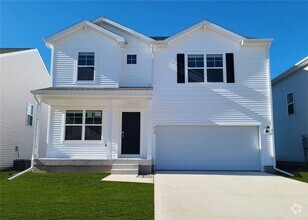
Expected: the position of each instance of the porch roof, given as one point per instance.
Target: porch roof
(53, 95)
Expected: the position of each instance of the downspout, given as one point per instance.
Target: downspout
(282, 171)
(35, 140)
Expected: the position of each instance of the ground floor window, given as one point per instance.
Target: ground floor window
(83, 125)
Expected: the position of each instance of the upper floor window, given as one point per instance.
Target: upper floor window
(30, 114)
(195, 68)
(131, 59)
(201, 68)
(86, 66)
(214, 64)
(290, 103)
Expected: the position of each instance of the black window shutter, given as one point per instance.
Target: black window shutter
(230, 67)
(180, 68)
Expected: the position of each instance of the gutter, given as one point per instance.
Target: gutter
(35, 140)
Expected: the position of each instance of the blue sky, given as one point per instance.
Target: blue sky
(26, 23)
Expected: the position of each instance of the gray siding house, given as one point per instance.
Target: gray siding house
(290, 105)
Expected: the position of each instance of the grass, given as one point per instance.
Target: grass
(300, 172)
(301, 176)
(73, 196)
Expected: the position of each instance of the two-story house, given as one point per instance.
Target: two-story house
(197, 100)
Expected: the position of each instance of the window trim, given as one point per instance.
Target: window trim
(83, 126)
(187, 68)
(95, 68)
(27, 108)
(205, 67)
(292, 92)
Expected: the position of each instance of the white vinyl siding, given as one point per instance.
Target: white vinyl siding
(58, 147)
(107, 56)
(111, 69)
(246, 102)
(20, 73)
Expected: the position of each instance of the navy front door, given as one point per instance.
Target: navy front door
(130, 133)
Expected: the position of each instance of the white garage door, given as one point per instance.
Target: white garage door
(207, 148)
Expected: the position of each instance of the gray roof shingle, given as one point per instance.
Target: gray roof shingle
(11, 50)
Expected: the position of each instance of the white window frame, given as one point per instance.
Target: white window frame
(29, 112)
(94, 73)
(223, 66)
(205, 67)
(194, 68)
(83, 126)
(290, 103)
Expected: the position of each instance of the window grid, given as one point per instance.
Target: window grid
(73, 119)
(214, 66)
(131, 59)
(195, 68)
(86, 66)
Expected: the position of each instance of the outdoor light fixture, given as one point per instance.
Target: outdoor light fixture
(267, 129)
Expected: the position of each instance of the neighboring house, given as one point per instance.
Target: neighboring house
(290, 103)
(21, 70)
(198, 100)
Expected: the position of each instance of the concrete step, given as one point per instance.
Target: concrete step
(126, 161)
(124, 171)
(124, 166)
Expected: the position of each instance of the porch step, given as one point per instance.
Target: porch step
(124, 171)
(124, 168)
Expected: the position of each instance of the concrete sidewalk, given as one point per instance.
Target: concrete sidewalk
(229, 195)
(128, 178)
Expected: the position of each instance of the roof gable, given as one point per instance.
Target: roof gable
(124, 28)
(84, 25)
(207, 25)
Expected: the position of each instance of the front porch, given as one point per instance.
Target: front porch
(144, 166)
(91, 129)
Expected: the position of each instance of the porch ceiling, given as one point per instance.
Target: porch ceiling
(90, 96)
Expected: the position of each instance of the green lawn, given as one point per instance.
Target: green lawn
(301, 176)
(73, 196)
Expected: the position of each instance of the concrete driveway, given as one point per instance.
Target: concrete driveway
(228, 195)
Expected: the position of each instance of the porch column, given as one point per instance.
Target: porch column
(36, 133)
(109, 139)
(150, 131)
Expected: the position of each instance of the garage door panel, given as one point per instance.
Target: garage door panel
(207, 148)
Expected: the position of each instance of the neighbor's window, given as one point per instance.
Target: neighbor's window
(195, 67)
(85, 66)
(83, 125)
(30, 114)
(290, 103)
(214, 64)
(131, 59)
